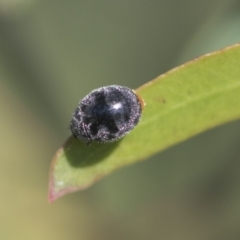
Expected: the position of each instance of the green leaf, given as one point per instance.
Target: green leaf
(185, 101)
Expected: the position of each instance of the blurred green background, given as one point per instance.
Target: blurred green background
(52, 53)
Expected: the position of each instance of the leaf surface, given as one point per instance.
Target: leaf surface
(185, 101)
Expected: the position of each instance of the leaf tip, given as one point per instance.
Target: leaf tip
(52, 194)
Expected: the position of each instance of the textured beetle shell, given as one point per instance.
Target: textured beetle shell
(106, 114)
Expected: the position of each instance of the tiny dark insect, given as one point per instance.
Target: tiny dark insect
(106, 114)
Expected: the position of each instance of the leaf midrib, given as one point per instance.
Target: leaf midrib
(192, 100)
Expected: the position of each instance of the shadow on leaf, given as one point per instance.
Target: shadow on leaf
(80, 155)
